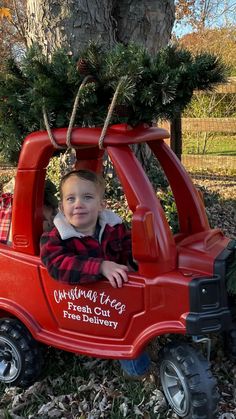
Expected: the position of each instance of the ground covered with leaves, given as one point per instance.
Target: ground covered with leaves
(78, 387)
(219, 195)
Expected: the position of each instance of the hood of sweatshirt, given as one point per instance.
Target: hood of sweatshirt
(67, 231)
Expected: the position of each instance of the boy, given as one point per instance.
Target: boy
(89, 243)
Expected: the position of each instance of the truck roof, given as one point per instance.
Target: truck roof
(117, 135)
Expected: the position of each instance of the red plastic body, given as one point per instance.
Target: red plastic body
(96, 319)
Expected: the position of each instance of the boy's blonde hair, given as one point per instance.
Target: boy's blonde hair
(98, 180)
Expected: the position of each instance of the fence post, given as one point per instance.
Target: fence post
(176, 135)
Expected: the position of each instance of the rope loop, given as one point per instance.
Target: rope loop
(109, 114)
(71, 122)
(69, 156)
(73, 114)
(49, 131)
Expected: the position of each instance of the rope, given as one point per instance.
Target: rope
(68, 159)
(109, 114)
(71, 122)
(73, 114)
(49, 131)
(72, 118)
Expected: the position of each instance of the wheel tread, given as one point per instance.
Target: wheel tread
(201, 383)
(28, 349)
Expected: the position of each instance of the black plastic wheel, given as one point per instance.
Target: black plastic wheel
(187, 382)
(20, 355)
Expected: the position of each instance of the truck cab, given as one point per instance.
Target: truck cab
(179, 287)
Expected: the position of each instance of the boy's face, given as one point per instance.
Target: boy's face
(81, 203)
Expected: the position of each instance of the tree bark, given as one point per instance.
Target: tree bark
(145, 22)
(70, 24)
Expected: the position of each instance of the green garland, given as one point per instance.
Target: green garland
(153, 87)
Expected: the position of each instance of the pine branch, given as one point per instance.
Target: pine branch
(151, 87)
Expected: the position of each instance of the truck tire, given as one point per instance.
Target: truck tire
(20, 355)
(188, 383)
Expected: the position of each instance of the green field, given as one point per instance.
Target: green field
(212, 144)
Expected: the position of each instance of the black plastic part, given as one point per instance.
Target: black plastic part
(209, 310)
(224, 263)
(224, 259)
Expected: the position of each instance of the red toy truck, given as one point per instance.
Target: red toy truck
(179, 288)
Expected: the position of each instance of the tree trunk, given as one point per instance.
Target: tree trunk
(145, 22)
(70, 24)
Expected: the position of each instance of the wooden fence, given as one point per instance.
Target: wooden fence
(209, 125)
(204, 125)
(180, 126)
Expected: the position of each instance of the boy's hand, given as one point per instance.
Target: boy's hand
(115, 273)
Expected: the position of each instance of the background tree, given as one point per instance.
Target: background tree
(198, 15)
(72, 24)
(12, 29)
(156, 82)
(219, 41)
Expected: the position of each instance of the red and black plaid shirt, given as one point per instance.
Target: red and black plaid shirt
(78, 260)
(6, 200)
